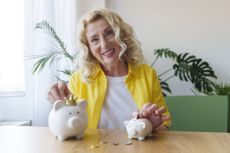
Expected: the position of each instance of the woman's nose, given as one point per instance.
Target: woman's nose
(104, 43)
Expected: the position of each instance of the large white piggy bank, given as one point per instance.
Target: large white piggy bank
(138, 128)
(68, 121)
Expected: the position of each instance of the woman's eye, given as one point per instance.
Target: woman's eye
(94, 40)
(109, 34)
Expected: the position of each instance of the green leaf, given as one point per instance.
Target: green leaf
(53, 51)
(165, 87)
(40, 64)
(190, 68)
(201, 73)
(44, 25)
(66, 72)
(183, 66)
(221, 89)
(165, 52)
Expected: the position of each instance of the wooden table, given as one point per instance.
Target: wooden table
(15, 139)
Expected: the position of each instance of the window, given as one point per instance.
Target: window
(12, 47)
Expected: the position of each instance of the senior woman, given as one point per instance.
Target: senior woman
(112, 76)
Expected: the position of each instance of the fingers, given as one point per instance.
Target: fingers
(58, 91)
(165, 118)
(50, 97)
(150, 110)
(160, 111)
(62, 89)
(144, 108)
(154, 113)
(67, 92)
(54, 93)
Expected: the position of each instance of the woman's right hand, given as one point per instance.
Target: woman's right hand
(58, 91)
(155, 115)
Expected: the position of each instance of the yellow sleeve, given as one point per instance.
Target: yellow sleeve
(158, 97)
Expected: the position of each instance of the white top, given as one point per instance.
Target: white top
(118, 105)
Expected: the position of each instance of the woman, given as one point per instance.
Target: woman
(112, 76)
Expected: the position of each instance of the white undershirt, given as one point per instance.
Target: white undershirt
(118, 105)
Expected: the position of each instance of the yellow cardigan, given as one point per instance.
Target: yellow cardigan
(142, 83)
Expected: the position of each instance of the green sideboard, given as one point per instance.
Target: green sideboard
(199, 113)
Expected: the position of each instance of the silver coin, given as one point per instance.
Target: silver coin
(127, 143)
(115, 143)
(103, 142)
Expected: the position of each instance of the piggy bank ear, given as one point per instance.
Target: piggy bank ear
(58, 104)
(82, 104)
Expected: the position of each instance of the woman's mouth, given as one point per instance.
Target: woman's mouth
(108, 52)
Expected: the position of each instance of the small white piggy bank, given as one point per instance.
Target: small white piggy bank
(68, 121)
(138, 128)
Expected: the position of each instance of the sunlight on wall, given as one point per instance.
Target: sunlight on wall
(11, 52)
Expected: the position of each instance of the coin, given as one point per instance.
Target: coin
(103, 142)
(115, 143)
(127, 143)
(94, 146)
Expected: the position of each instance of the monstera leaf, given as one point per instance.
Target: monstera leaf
(190, 68)
(183, 66)
(200, 74)
(187, 68)
(165, 87)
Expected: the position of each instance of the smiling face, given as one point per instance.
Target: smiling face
(102, 44)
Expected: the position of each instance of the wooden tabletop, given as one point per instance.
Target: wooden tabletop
(18, 139)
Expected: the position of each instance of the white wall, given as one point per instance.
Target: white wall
(200, 27)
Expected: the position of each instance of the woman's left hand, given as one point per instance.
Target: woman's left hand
(154, 114)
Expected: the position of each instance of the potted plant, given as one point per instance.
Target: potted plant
(51, 54)
(187, 68)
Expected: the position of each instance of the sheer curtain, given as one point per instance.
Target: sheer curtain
(63, 16)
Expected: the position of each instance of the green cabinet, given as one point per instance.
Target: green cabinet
(199, 113)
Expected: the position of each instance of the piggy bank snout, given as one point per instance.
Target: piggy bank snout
(73, 121)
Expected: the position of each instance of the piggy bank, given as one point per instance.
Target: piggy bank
(68, 121)
(138, 128)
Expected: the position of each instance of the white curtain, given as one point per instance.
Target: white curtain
(63, 16)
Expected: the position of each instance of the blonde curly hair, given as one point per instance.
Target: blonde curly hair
(124, 35)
